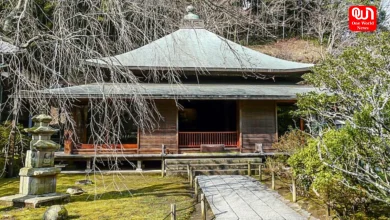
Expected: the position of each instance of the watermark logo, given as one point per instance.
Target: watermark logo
(362, 18)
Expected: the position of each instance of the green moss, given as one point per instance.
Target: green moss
(113, 196)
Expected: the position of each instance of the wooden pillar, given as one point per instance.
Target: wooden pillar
(84, 122)
(177, 130)
(260, 174)
(69, 134)
(89, 164)
(301, 124)
(239, 125)
(273, 179)
(196, 189)
(276, 122)
(68, 142)
(139, 165)
(191, 178)
(203, 206)
(138, 140)
(173, 211)
(162, 167)
(294, 189)
(249, 168)
(188, 173)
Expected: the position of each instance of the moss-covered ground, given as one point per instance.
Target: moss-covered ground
(112, 196)
(310, 204)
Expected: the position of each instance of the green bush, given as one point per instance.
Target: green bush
(21, 145)
(331, 185)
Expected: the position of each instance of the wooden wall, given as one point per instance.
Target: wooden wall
(258, 123)
(166, 132)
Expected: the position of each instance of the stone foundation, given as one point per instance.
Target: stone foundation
(30, 201)
(38, 178)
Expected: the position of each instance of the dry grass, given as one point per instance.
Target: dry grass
(113, 197)
(292, 49)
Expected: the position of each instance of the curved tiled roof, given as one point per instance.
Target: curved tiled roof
(196, 49)
(179, 91)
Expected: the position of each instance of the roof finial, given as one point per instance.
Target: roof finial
(191, 15)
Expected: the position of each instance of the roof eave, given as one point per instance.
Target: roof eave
(27, 95)
(205, 69)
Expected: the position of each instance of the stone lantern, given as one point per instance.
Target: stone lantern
(38, 177)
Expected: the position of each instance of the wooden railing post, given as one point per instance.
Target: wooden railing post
(260, 174)
(249, 168)
(162, 149)
(273, 179)
(203, 206)
(173, 211)
(191, 179)
(162, 167)
(196, 189)
(294, 189)
(188, 173)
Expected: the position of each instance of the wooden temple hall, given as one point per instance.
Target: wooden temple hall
(224, 108)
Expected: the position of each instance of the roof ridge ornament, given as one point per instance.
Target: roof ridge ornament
(191, 20)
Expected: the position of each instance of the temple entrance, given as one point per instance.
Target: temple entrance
(208, 122)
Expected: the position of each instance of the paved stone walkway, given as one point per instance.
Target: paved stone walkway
(242, 197)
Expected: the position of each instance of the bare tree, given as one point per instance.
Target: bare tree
(57, 36)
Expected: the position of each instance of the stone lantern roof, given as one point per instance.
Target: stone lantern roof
(41, 133)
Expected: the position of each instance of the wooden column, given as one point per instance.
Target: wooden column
(203, 206)
(273, 179)
(294, 189)
(173, 211)
(177, 130)
(69, 134)
(260, 174)
(138, 139)
(239, 124)
(276, 122)
(68, 143)
(249, 168)
(196, 189)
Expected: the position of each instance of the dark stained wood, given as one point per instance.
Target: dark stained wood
(258, 123)
(68, 143)
(239, 129)
(166, 132)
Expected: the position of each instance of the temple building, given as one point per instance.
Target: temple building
(230, 95)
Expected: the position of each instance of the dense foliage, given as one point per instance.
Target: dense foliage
(346, 166)
(21, 141)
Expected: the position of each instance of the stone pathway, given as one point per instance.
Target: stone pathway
(242, 197)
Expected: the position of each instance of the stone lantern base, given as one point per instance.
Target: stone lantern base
(33, 201)
(38, 177)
